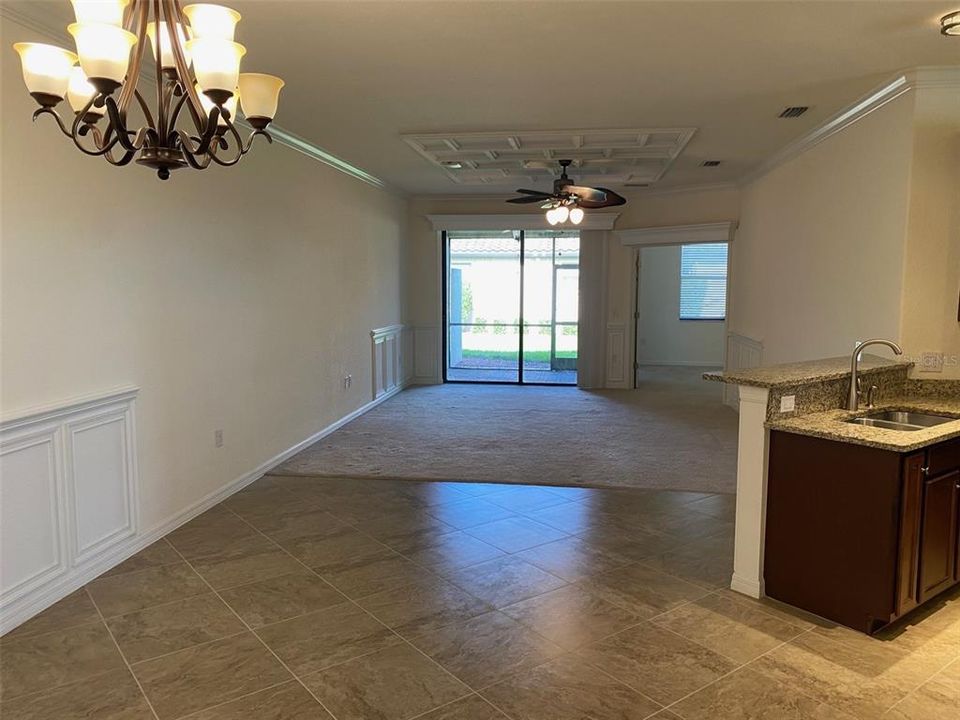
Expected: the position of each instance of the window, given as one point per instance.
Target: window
(703, 281)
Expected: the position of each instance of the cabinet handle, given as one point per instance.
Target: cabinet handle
(925, 470)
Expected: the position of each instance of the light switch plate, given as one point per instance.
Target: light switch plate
(788, 403)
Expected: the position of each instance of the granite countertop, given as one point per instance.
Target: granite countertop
(830, 424)
(776, 376)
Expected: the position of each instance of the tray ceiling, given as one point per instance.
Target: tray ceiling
(626, 156)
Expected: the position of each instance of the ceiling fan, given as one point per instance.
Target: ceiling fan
(568, 201)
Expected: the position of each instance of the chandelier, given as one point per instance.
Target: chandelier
(198, 84)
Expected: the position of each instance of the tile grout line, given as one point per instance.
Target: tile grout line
(120, 652)
(239, 697)
(251, 631)
(914, 690)
(363, 610)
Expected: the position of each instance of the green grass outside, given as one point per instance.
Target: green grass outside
(528, 355)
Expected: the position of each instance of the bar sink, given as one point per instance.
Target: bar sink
(900, 420)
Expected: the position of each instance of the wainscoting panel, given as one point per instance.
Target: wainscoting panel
(616, 355)
(742, 353)
(32, 541)
(68, 485)
(426, 352)
(387, 348)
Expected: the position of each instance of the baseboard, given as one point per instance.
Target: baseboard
(746, 587)
(44, 597)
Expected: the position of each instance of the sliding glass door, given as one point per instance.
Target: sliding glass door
(511, 295)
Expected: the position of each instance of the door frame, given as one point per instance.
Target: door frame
(445, 329)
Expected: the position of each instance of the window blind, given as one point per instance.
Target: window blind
(703, 281)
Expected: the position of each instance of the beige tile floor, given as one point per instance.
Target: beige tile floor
(317, 598)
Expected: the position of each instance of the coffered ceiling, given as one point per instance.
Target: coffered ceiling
(368, 80)
(637, 156)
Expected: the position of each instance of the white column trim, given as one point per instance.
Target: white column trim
(751, 492)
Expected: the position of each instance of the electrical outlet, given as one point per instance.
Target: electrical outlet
(788, 403)
(931, 362)
(218, 438)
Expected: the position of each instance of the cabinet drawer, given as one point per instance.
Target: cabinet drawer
(943, 458)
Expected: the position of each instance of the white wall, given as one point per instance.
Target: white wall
(234, 298)
(931, 273)
(665, 339)
(818, 258)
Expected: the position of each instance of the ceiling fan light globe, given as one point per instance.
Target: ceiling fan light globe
(562, 213)
(576, 215)
(46, 68)
(552, 216)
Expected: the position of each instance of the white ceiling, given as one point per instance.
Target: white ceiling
(360, 75)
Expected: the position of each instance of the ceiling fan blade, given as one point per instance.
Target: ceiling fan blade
(586, 193)
(529, 199)
(612, 200)
(523, 191)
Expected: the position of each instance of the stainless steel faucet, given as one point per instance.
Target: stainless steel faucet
(853, 400)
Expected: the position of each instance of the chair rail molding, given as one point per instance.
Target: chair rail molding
(526, 221)
(69, 491)
(719, 232)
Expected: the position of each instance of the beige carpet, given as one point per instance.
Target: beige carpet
(673, 432)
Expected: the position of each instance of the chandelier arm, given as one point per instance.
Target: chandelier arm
(80, 129)
(203, 146)
(175, 16)
(56, 116)
(138, 15)
(120, 128)
(191, 157)
(145, 108)
(254, 134)
(176, 113)
(108, 156)
(239, 140)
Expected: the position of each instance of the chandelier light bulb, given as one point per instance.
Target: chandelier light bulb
(46, 70)
(576, 215)
(213, 22)
(167, 59)
(107, 12)
(104, 52)
(552, 216)
(563, 212)
(80, 92)
(217, 65)
(259, 96)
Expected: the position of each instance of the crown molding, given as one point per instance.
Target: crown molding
(38, 23)
(935, 77)
(683, 189)
(527, 221)
(678, 234)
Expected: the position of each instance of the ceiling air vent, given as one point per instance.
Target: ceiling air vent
(710, 163)
(794, 111)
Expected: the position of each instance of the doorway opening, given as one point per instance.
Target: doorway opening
(511, 306)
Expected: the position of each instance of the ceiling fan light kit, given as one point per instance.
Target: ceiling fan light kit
(197, 75)
(950, 24)
(567, 201)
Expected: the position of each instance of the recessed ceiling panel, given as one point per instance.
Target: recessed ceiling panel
(619, 156)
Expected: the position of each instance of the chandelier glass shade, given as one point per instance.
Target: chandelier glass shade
(196, 72)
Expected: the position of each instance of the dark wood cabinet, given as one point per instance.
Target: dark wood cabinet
(860, 535)
(938, 535)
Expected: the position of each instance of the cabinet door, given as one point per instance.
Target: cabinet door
(938, 534)
(908, 583)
